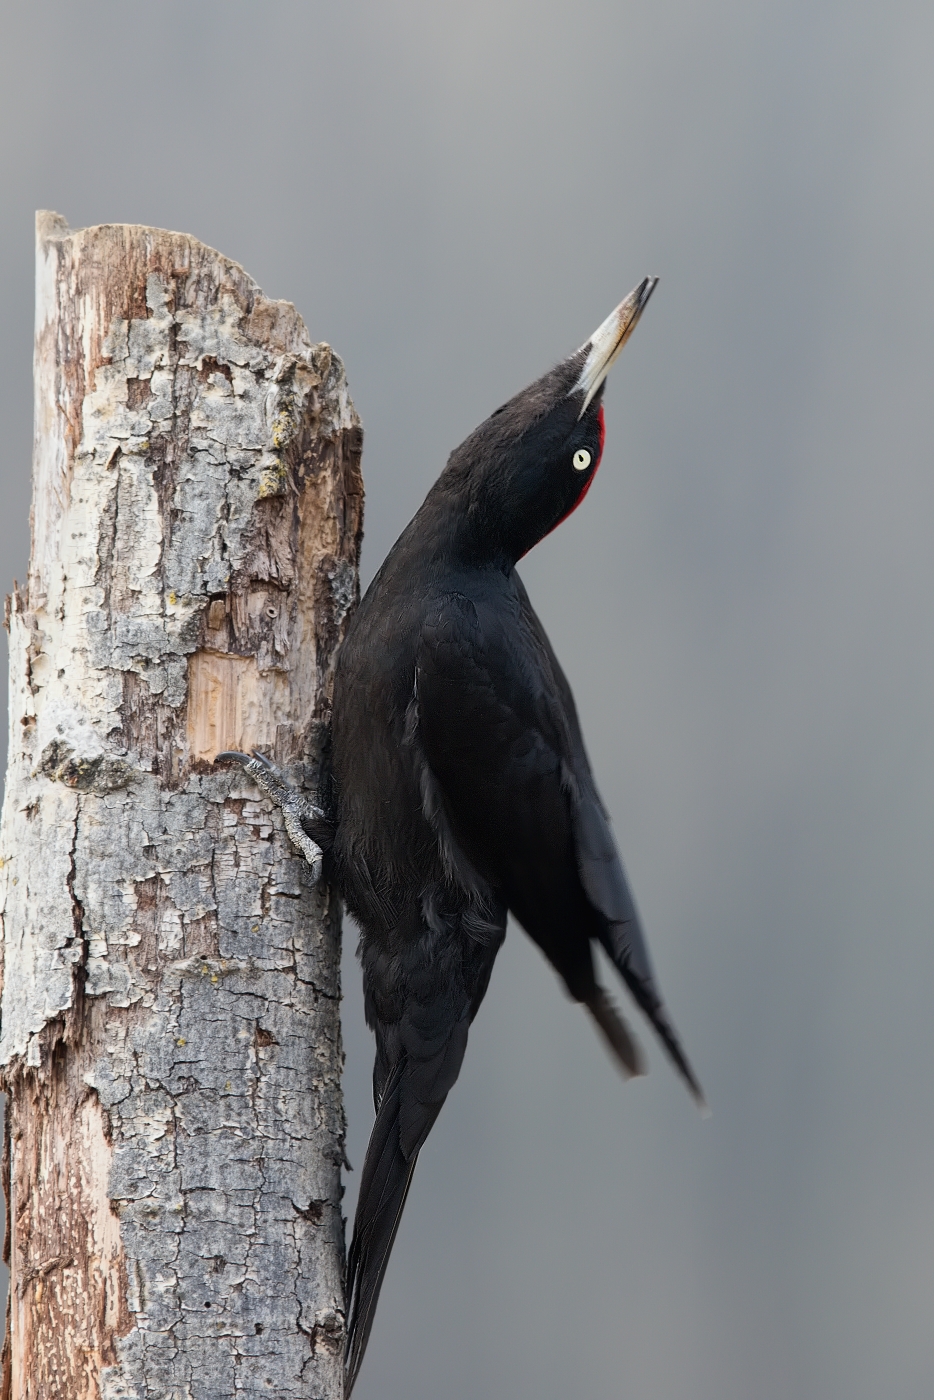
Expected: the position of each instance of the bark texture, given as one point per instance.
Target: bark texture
(170, 1006)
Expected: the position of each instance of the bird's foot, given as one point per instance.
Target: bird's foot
(293, 805)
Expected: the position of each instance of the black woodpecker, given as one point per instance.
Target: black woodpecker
(461, 787)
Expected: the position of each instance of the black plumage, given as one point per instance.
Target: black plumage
(461, 786)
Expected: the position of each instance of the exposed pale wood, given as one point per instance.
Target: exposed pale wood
(170, 1006)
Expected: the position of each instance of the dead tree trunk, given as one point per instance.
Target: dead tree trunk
(170, 1008)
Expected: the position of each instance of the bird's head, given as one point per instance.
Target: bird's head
(525, 469)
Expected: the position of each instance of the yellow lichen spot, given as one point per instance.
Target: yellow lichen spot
(205, 970)
(172, 599)
(227, 1086)
(215, 979)
(181, 1040)
(282, 431)
(16, 879)
(273, 481)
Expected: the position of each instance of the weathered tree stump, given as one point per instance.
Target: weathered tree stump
(170, 1009)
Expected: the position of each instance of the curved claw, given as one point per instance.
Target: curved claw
(267, 763)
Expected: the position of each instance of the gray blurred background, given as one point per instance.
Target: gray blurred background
(454, 195)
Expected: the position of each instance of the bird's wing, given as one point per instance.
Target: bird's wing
(603, 878)
(602, 873)
(499, 730)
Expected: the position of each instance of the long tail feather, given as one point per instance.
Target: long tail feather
(384, 1185)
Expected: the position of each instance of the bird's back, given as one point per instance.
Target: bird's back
(384, 847)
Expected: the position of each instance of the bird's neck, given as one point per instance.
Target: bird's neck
(453, 531)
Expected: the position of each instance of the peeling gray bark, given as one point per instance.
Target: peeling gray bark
(170, 1005)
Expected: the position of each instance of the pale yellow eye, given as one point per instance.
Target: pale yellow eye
(582, 459)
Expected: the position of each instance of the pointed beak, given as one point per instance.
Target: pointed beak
(608, 340)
